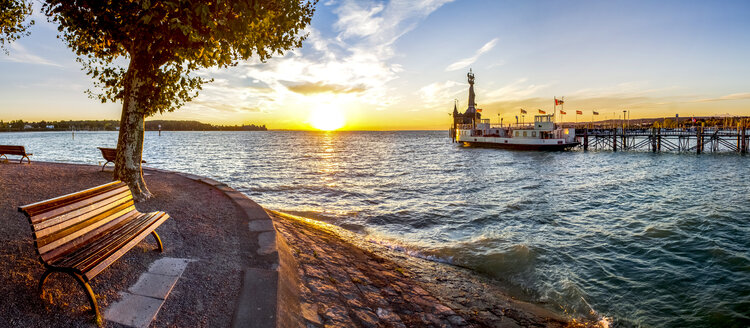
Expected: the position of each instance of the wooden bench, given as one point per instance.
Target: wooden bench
(109, 155)
(14, 150)
(82, 233)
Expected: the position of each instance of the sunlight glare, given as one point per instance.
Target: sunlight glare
(327, 118)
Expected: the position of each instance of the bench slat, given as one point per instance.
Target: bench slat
(97, 248)
(57, 240)
(92, 272)
(61, 213)
(89, 240)
(50, 204)
(81, 214)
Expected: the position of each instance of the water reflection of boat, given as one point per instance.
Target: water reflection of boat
(470, 129)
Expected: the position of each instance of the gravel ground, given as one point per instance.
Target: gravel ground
(205, 225)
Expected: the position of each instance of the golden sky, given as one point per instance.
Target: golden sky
(399, 65)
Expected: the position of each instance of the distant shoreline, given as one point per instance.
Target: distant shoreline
(114, 125)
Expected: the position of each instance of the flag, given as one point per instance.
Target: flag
(542, 112)
(596, 113)
(479, 110)
(561, 112)
(523, 111)
(558, 102)
(578, 112)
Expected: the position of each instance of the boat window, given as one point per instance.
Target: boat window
(533, 133)
(516, 133)
(524, 133)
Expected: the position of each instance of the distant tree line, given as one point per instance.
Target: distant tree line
(198, 126)
(112, 125)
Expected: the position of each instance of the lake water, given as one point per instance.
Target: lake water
(644, 239)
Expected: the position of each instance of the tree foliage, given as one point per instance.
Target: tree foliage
(170, 40)
(13, 14)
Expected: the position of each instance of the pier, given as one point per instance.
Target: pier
(696, 139)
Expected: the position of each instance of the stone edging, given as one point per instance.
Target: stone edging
(257, 303)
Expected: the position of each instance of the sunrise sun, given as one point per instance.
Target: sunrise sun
(327, 118)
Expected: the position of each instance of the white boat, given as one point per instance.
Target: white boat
(470, 129)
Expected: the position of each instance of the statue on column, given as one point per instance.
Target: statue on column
(472, 105)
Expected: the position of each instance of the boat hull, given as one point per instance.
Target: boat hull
(518, 146)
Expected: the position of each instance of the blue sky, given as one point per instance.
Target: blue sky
(400, 65)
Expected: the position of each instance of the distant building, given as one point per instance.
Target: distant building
(50, 127)
(27, 126)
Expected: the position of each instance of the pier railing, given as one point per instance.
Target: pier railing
(689, 139)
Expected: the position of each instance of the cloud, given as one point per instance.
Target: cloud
(518, 89)
(734, 96)
(352, 65)
(307, 88)
(438, 93)
(20, 54)
(468, 61)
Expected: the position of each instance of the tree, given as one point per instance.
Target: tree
(13, 14)
(164, 42)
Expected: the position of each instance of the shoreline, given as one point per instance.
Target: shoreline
(471, 296)
(427, 292)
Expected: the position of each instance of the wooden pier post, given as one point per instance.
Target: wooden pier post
(586, 139)
(698, 140)
(614, 139)
(658, 140)
(653, 140)
(744, 138)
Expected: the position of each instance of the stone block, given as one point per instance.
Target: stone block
(133, 310)
(256, 306)
(169, 266)
(154, 285)
(261, 225)
(267, 242)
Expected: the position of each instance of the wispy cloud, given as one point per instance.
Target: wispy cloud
(516, 90)
(308, 88)
(734, 96)
(20, 54)
(468, 61)
(437, 93)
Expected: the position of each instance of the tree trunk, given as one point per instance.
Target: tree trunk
(130, 140)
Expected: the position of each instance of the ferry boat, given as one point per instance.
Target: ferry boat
(543, 134)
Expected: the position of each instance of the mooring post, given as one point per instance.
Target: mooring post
(614, 139)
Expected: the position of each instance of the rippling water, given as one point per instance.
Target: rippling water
(645, 239)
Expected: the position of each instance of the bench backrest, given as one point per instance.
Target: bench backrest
(12, 150)
(109, 153)
(61, 224)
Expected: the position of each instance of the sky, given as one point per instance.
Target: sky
(401, 64)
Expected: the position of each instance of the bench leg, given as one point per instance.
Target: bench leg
(158, 241)
(81, 282)
(105, 164)
(27, 159)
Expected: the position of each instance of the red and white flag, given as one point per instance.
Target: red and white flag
(578, 112)
(542, 112)
(558, 102)
(561, 112)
